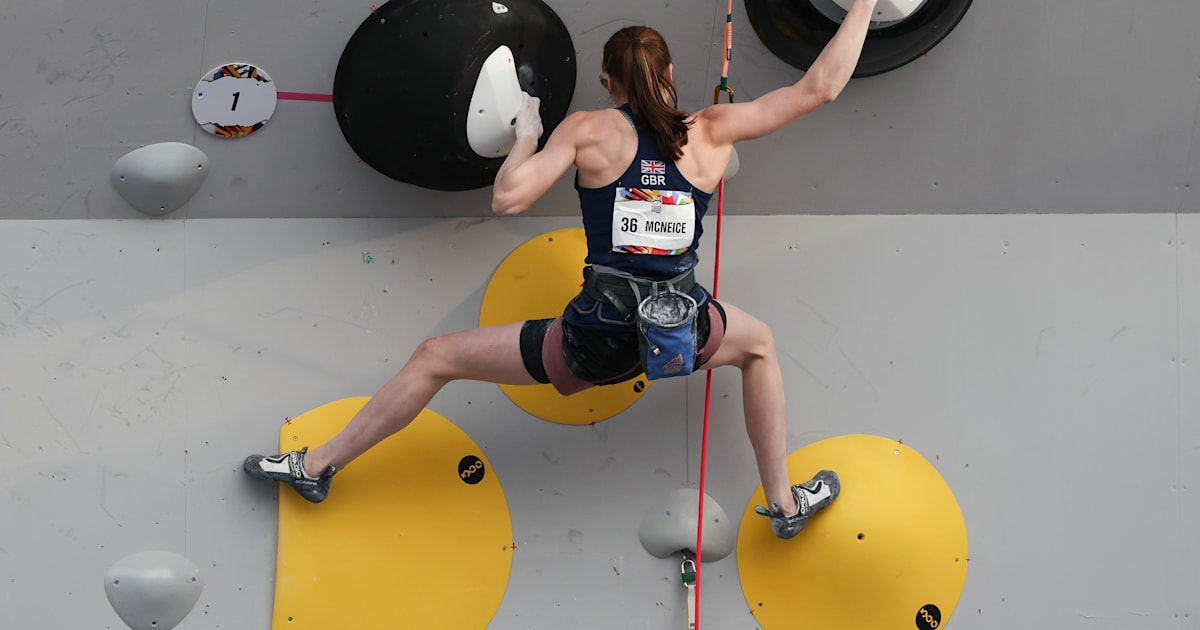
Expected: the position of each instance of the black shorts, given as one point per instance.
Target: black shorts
(574, 358)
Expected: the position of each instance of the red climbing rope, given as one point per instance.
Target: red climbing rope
(723, 87)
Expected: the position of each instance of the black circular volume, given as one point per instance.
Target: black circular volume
(796, 31)
(405, 80)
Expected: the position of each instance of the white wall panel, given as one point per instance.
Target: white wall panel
(1041, 363)
(92, 387)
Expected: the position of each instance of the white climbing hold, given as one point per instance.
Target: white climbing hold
(158, 178)
(669, 527)
(153, 590)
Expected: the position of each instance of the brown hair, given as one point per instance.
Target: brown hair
(637, 59)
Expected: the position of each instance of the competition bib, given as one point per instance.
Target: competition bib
(647, 221)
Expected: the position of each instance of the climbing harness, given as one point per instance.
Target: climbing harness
(662, 311)
(625, 291)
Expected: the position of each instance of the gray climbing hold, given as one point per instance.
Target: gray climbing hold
(153, 590)
(733, 166)
(669, 527)
(159, 178)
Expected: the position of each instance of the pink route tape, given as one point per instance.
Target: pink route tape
(305, 96)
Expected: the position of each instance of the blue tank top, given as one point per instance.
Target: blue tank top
(649, 180)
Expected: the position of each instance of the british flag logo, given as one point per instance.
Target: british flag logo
(654, 167)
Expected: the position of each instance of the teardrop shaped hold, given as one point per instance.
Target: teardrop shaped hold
(159, 178)
(669, 526)
(406, 80)
(904, 30)
(733, 165)
(153, 590)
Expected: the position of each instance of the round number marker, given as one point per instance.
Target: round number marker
(234, 100)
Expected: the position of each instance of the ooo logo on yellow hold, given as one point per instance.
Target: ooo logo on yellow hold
(470, 469)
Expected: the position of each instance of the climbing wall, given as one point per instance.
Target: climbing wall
(988, 254)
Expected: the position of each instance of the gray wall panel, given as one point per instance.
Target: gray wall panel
(299, 163)
(83, 85)
(1025, 107)
(1191, 180)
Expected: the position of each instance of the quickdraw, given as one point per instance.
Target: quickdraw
(688, 576)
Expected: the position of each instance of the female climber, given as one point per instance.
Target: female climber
(645, 172)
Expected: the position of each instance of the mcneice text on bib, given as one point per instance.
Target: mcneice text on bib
(649, 221)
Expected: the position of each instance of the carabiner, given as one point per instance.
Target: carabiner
(688, 575)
